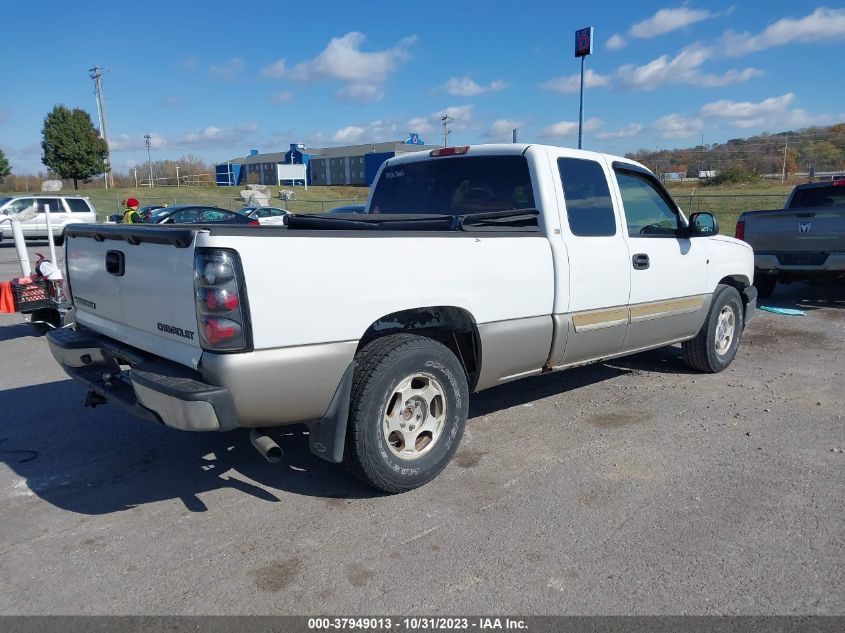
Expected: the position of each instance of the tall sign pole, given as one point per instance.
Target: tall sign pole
(583, 47)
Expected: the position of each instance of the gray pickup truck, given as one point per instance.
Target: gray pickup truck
(805, 241)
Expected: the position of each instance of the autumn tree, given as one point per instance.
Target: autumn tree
(72, 146)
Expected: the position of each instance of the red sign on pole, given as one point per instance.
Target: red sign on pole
(584, 42)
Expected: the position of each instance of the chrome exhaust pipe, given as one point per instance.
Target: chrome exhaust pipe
(265, 445)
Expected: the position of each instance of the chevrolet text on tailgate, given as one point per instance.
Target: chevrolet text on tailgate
(471, 267)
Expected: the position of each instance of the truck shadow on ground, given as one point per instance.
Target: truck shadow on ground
(103, 460)
(19, 330)
(807, 297)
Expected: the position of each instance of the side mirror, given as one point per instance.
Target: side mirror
(703, 225)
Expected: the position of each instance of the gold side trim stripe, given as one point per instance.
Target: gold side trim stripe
(611, 317)
(666, 308)
(600, 318)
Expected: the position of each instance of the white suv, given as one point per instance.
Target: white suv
(64, 210)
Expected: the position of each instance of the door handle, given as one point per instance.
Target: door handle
(640, 261)
(115, 263)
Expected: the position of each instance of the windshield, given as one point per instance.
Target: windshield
(158, 214)
(455, 186)
(4, 201)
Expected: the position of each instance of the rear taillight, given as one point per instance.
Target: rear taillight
(253, 223)
(740, 230)
(220, 300)
(838, 182)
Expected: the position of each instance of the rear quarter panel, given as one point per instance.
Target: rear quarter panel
(331, 287)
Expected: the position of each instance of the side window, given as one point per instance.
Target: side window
(647, 212)
(77, 205)
(21, 203)
(589, 207)
(214, 215)
(55, 205)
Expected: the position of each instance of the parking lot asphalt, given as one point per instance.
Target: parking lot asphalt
(629, 487)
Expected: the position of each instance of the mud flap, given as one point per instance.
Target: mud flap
(327, 436)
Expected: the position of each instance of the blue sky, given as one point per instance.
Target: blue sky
(214, 80)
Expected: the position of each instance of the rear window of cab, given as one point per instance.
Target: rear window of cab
(455, 186)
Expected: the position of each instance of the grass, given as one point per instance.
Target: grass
(726, 202)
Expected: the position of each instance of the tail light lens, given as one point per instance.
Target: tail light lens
(220, 295)
(253, 223)
(740, 230)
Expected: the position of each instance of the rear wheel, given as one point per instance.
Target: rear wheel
(408, 412)
(714, 347)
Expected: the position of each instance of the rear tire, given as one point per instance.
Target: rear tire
(408, 412)
(765, 285)
(715, 346)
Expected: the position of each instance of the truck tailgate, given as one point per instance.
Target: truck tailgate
(796, 230)
(144, 295)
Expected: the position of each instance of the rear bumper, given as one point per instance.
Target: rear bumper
(151, 388)
(770, 263)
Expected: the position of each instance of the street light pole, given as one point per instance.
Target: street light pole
(581, 106)
(583, 47)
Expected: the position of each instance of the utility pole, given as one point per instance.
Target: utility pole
(446, 131)
(701, 155)
(149, 160)
(785, 147)
(97, 76)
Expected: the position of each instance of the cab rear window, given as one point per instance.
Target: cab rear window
(455, 186)
(811, 197)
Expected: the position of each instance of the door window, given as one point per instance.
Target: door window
(589, 208)
(77, 205)
(20, 204)
(55, 205)
(647, 211)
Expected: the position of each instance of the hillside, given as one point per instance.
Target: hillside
(813, 148)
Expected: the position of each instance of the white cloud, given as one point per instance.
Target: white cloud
(629, 131)
(228, 70)
(677, 126)
(349, 134)
(615, 42)
(684, 68)
(343, 60)
(772, 113)
(462, 115)
(572, 83)
(276, 69)
(208, 137)
(502, 129)
(668, 20)
(466, 87)
(820, 25)
(564, 129)
(360, 93)
(421, 125)
(279, 98)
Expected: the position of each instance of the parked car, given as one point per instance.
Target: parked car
(198, 214)
(350, 208)
(804, 241)
(266, 215)
(477, 266)
(64, 210)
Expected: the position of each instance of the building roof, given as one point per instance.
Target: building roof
(396, 147)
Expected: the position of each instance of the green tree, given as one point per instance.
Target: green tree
(72, 146)
(5, 168)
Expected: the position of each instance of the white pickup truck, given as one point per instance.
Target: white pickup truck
(471, 267)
